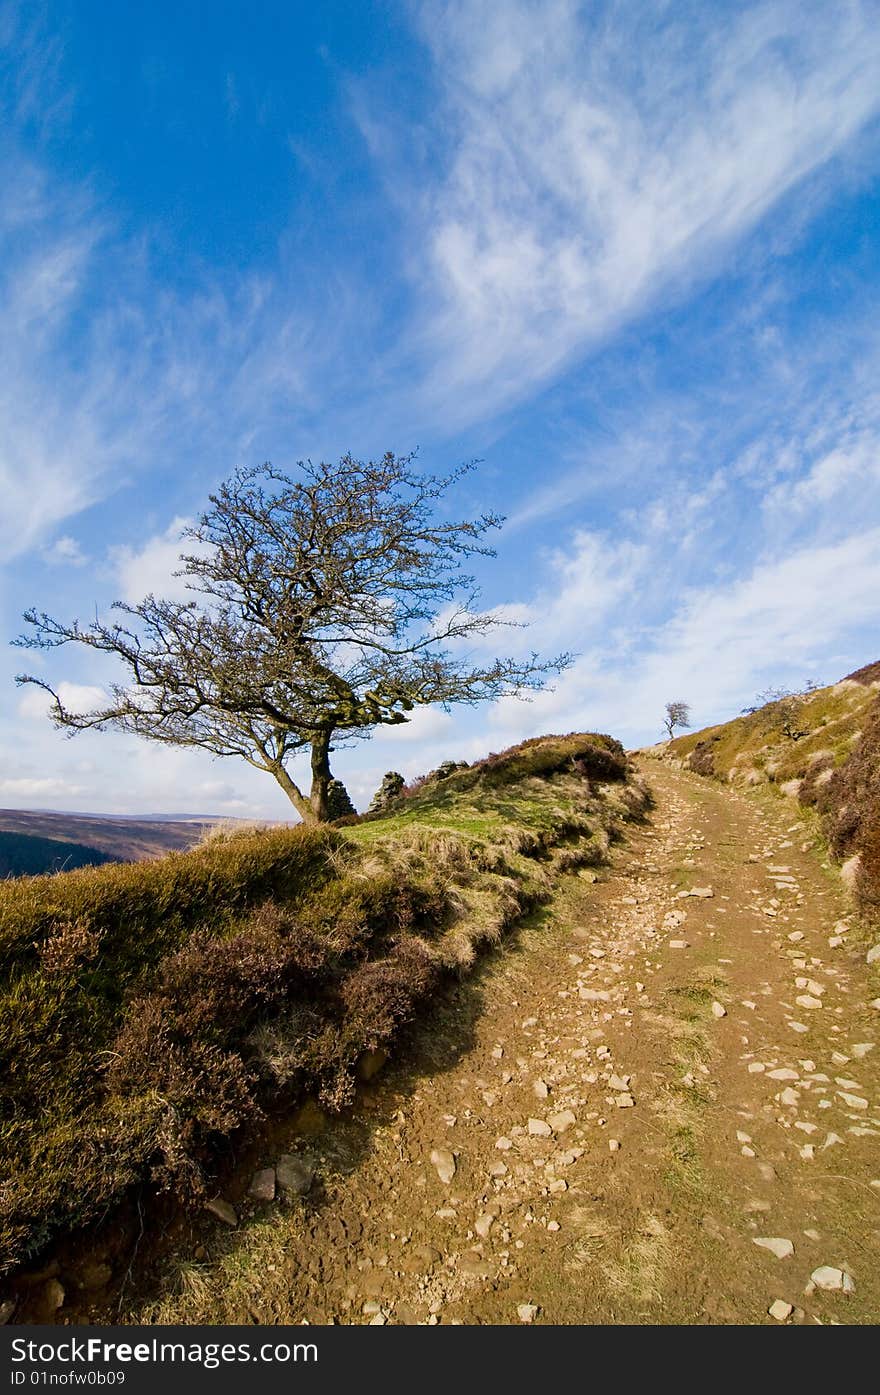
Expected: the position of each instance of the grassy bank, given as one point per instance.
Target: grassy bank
(152, 1010)
(821, 748)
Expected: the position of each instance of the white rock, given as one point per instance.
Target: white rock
(619, 1082)
(804, 1000)
(541, 1089)
(719, 1010)
(788, 1096)
(827, 1277)
(830, 1140)
(679, 944)
(444, 1162)
(539, 1128)
(873, 954)
(861, 1048)
(852, 1101)
(624, 1101)
(527, 1312)
(782, 1073)
(776, 1244)
(780, 1310)
(504, 1144)
(483, 1224)
(562, 1121)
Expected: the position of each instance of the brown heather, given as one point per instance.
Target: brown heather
(152, 1010)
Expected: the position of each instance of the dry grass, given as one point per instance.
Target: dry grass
(151, 1010)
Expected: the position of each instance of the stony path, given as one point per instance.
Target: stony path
(659, 1103)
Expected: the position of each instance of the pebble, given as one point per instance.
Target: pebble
(619, 1082)
(562, 1121)
(527, 1312)
(444, 1162)
(679, 944)
(539, 1128)
(776, 1244)
(541, 1089)
(262, 1187)
(613, 1145)
(827, 1277)
(295, 1173)
(719, 1010)
(852, 1101)
(222, 1210)
(780, 1310)
(624, 1101)
(503, 1143)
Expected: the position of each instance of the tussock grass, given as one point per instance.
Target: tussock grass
(832, 768)
(152, 1010)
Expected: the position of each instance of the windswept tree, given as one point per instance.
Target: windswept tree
(323, 606)
(678, 714)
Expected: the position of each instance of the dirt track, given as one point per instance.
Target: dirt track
(758, 1124)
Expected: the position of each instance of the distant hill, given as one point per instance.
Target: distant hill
(22, 855)
(119, 839)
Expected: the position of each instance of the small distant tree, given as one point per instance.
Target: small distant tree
(324, 605)
(678, 714)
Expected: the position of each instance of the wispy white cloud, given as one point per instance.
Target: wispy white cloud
(719, 645)
(599, 157)
(65, 552)
(149, 570)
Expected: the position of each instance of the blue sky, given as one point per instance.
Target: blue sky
(625, 255)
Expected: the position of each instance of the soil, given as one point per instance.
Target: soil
(700, 1075)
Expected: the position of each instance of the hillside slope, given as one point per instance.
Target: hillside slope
(152, 1011)
(656, 1101)
(821, 748)
(23, 855)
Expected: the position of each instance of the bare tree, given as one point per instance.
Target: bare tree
(328, 604)
(678, 714)
(781, 708)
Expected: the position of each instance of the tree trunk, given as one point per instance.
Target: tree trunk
(294, 794)
(321, 777)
